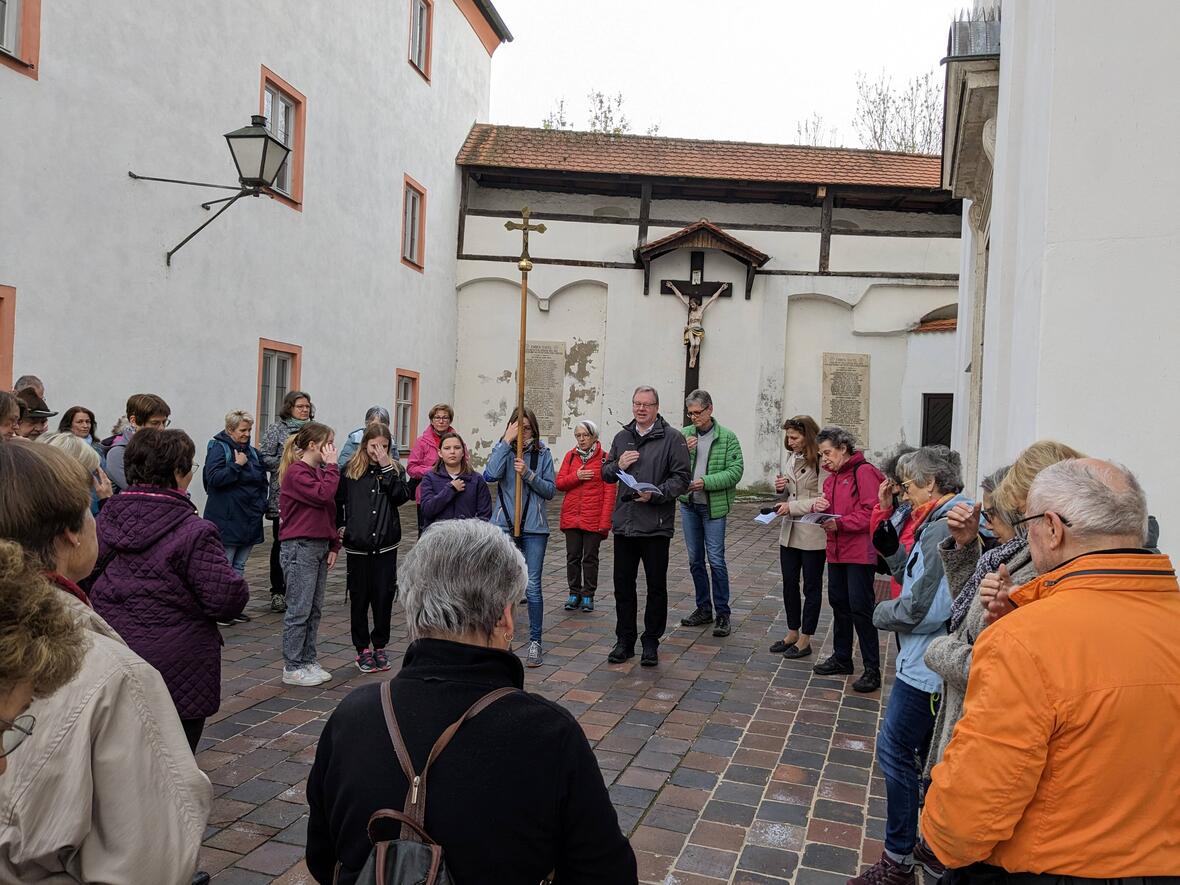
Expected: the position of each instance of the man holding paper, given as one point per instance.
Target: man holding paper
(650, 459)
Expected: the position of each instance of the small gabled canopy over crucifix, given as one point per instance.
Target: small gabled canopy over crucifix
(701, 234)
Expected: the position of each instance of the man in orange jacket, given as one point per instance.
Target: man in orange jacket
(1065, 760)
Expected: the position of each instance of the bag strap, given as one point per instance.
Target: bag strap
(415, 806)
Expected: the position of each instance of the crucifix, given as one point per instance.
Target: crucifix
(698, 296)
(525, 264)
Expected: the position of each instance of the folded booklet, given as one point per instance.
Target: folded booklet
(628, 480)
(817, 518)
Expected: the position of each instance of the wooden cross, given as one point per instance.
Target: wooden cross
(524, 227)
(695, 288)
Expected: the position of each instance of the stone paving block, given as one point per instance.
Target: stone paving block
(783, 812)
(807, 876)
(743, 794)
(652, 867)
(255, 791)
(773, 834)
(679, 820)
(707, 861)
(728, 813)
(236, 839)
(833, 833)
(772, 861)
(693, 778)
(831, 858)
(644, 778)
(272, 858)
(213, 860)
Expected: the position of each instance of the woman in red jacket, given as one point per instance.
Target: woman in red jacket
(585, 514)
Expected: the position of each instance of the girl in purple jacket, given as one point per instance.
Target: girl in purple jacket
(452, 490)
(308, 544)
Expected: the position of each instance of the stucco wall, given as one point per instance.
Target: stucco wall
(151, 87)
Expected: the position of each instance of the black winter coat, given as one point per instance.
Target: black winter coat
(367, 508)
(516, 794)
(663, 462)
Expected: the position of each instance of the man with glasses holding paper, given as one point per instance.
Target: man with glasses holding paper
(649, 458)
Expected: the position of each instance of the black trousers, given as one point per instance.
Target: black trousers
(278, 584)
(629, 553)
(850, 594)
(193, 728)
(985, 874)
(581, 561)
(805, 617)
(372, 585)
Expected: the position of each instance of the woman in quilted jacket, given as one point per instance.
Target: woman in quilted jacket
(163, 581)
(585, 514)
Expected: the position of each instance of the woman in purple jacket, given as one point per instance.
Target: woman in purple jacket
(162, 579)
(452, 490)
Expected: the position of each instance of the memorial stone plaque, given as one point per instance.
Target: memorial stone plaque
(845, 393)
(544, 382)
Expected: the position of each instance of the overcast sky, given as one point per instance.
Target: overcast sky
(746, 70)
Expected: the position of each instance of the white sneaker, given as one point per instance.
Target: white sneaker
(318, 672)
(300, 676)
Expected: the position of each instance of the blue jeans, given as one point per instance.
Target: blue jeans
(238, 556)
(305, 569)
(902, 745)
(705, 537)
(533, 547)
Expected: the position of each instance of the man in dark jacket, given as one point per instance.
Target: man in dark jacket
(654, 456)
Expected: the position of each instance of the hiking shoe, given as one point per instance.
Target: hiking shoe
(620, 653)
(885, 872)
(226, 622)
(832, 667)
(278, 602)
(870, 680)
(380, 659)
(721, 626)
(926, 859)
(300, 676)
(535, 657)
(364, 662)
(698, 618)
(319, 672)
(587, 603)
(241, 618)
(572, 602)
(650, 657)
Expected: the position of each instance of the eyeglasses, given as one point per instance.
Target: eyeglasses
(697, 413)
(640, 405)
(15, 732)
(988, 515)
(1065, 522)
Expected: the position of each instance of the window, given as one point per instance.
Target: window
(414, 224)
(278, 373)
(20, 35)
(421, 28)
(406, 417)
(285, 109)
(280, 120)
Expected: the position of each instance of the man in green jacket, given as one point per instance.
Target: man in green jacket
(716, 463)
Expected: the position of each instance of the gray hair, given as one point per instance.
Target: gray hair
(377, 412)
(890, 465)
(701, 398)
(1097, 500)
(30, 381)
(838, 437)
(989, 484)
(459, 578)
(589, 426)
(937, 463)
(992, 481)
(75, 447)
(644, 388)
(236, 418)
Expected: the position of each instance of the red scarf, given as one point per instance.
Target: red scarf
(67, 586)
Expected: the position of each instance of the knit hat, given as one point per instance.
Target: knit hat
(591, 427)
(35, 407)
(377, 412)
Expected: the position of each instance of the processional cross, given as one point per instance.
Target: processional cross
(698, 296)
(525, 264)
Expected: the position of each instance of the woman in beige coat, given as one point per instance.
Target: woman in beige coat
(104, 788)
(801, 545)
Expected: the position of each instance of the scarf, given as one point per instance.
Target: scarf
(296, 423)
(988, 562)
(588, 453)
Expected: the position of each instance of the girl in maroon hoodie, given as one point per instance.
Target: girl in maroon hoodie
(308, 544)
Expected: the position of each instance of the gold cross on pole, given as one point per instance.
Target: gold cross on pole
(524, 227)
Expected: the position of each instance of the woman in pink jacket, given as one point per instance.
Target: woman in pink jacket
(424, 454)
(850, 492)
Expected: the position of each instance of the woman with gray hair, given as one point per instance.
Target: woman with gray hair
(504, 811)
(933, 487)
(236, 485)
(374, 415)
(585, 513)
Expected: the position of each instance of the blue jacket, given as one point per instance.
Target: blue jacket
(352, 443)
(236, 495)
(539, 486)
(919, 615)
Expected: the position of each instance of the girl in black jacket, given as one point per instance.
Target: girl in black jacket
(371, 489)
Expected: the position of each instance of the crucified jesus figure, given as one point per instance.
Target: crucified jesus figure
(694, 329)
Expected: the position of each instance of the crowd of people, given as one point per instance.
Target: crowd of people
(1014, 744)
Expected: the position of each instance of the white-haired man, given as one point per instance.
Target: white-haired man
(1064, 762)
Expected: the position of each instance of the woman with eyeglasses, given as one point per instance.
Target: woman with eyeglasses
(892, 506)
(41, 645)
(296, 412)
(106, 753)
(162, 580)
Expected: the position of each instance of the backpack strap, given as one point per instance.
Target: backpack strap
(415, 807)
(225, 448)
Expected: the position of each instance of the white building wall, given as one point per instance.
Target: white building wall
(141, 86)
(1086, 240)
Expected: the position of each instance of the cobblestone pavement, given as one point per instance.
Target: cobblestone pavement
(725, 763)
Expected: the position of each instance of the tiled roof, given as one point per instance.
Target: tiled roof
(704, 234)
(948, 325)
(519, 147)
